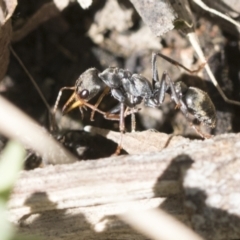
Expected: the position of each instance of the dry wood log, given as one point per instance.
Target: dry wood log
(197, 181)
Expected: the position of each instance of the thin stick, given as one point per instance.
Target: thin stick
(31, 79)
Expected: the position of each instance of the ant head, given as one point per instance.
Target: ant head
(88, 85)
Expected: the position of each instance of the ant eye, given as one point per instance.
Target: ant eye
(84, 94)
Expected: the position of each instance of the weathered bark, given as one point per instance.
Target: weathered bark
(196, 181)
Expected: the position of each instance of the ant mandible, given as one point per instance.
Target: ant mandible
(131, 89)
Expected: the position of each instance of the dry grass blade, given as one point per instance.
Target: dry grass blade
(158, 225)
(16, 125)
(194, 41)
(214, 11)
(32, 80)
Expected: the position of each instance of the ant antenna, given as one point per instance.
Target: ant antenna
(59, 96)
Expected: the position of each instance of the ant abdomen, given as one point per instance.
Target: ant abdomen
(201, 106)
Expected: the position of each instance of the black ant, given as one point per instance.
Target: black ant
(132, 89)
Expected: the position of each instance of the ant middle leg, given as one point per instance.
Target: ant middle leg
(131, 111)
(162, 86)
(112, 115)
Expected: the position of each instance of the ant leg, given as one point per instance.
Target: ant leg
(133, 122)
(200, 133)
(95, 109)
(133, 117)
(131, 111)
(155, 78)
(182, 106)
(118, 95)
(104, 93)
(177, 63)
(120, 117)
(175, 97)
(74, 101)
(113, 113)
(163, 85)
(121, 121)
(121, 128)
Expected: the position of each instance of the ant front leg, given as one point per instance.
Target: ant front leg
(103, 94)
(73, 101)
